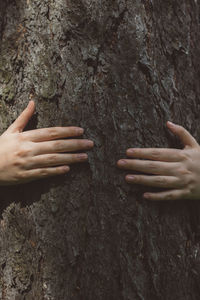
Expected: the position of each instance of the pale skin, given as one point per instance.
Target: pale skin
(177, 170)
(39, 153)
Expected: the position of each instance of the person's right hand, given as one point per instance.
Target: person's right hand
(34, 154)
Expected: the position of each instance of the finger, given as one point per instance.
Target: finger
(45, 134)
(47, 160)
(167, 195)
(61, 146)
(43, 173)
(161, 154)
(21, 122)
(155, 181)
(186, 138)
(151, 167)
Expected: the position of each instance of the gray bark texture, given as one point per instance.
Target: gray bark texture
(120, 69)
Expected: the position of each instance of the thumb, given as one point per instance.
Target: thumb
(20, 123)
(186, 138)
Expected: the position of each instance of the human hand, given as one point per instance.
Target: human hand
(30, 155)
(174, 169)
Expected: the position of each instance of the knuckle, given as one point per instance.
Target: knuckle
(16, 180)
(53, 132)
(152, 166)
(184, 171)
(23, 151)
(44, 173)
(19, 153)
(184, 155)
(58, 144)
(20, 176)
(27, 151)
(18, 162)
(160, 180)
(191, 188)
(155, 153)
(190, 180)
(19, 137)
(169, 196)
(53, 158)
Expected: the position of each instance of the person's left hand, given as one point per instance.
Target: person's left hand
(174, 169)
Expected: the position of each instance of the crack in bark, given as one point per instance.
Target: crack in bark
(116, 22)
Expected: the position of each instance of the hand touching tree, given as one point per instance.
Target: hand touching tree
(34, 154)
(174, 169)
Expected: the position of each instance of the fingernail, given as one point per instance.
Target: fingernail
(82, 156)
(66, 168)
(170, 123)
(130, 151)
(146, 196)
(80, 131)
(90, 143)
(122, 162)
(130, 177)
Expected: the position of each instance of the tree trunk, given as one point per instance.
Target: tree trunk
(120, 69)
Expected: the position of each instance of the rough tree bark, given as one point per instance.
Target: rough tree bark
(120, 69)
